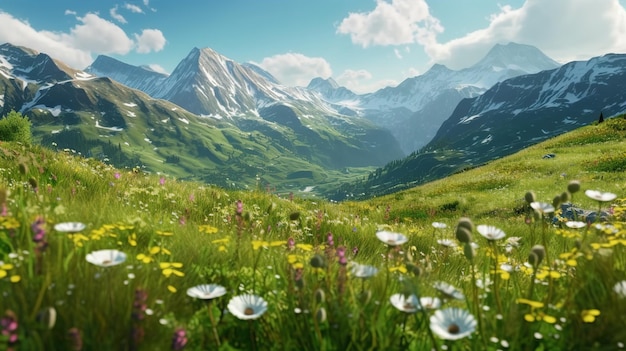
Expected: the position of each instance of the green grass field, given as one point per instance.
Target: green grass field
(390, 273)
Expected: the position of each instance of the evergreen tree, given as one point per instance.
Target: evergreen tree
(601, 118)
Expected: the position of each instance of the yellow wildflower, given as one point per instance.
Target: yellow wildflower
(304, 247)
(171, 288)
(256, 244)
(531, 303)
(132, 239)
(162, 233)
(589, 316)
(401, 268)
(15, 278)
(207, 229)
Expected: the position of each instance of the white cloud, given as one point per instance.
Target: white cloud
(398, 53)
(157, 68)
(133, 8)
(150, 40)
(116, 16)
(360, 81)
(413, 72)
(70, 12)
(294, 69)
(392, 23)
(98, 35)
(565, 30)
(92, 35)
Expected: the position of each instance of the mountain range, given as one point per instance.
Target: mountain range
(511, 115)
(415, 109)
(233, 124)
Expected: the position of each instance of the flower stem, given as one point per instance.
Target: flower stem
(213, 324)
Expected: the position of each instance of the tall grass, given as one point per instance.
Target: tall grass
(300, 256)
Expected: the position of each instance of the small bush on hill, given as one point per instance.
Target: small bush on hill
(15, 127)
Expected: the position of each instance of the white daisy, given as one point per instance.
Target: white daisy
(575, 224)
(247, 306)
(69, 227)
(542, 207)
(439, 225)
(600, 196)
(391, 238)
(362, 270)
(449, 290)
(206, 291)
(446, 243)
(430, 303)
(490, 232)
(452, 323)
(620, 289)
(106, 258)
(408, 304)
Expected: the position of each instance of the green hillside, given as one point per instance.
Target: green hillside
(328, 281)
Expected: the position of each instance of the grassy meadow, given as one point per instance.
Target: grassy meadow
(98, 258)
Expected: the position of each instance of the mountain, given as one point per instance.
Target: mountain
(415, 109)
(140, 78)
(213, 86)
(277, 143)
(510, 116)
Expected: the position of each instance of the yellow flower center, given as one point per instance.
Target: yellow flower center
(248, 311)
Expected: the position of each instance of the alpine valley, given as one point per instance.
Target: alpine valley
(235, 125)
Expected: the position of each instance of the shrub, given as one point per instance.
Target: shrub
(15, 127)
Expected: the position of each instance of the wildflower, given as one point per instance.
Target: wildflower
(430, 303)
(47, 317)
(465, 222)
(463, 235)
(589, 316)
(530, 197)
(600, 196)
(439, 225)
(573, 186)
(329, 239)
(9, 326)
(247, 306)
(446, 243)
(341, 255)
(575, 224)
(407, 304)
(117, 175)
(106, 258)
(179, 339)
(320, 315)
(363, 271)
(490, 232)
(239, 208)
(206, 291)
(391, 238)
(318, 261)
(537, 253)
(452, 323)
(449, 291)
(620, 289)
(69, 227)
(542, 207)
(75, 337)
(291, 244)
(162, 181)
(172, 289)
(139, 305)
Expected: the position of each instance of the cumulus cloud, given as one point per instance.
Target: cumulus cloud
(70, 12)
(96, 34)
(397, 53)
(150, 40)
(116, 16)
(565, 30)
(361, 81)
(92, 35)
(392, 23)
(294, 69)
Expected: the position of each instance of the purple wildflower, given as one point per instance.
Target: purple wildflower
(179, 339)
(291, 244)
(75, 339)
(9, 326)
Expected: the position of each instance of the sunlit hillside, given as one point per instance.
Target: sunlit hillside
(97, 258)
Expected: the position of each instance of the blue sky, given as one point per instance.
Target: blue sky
(363, 44)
